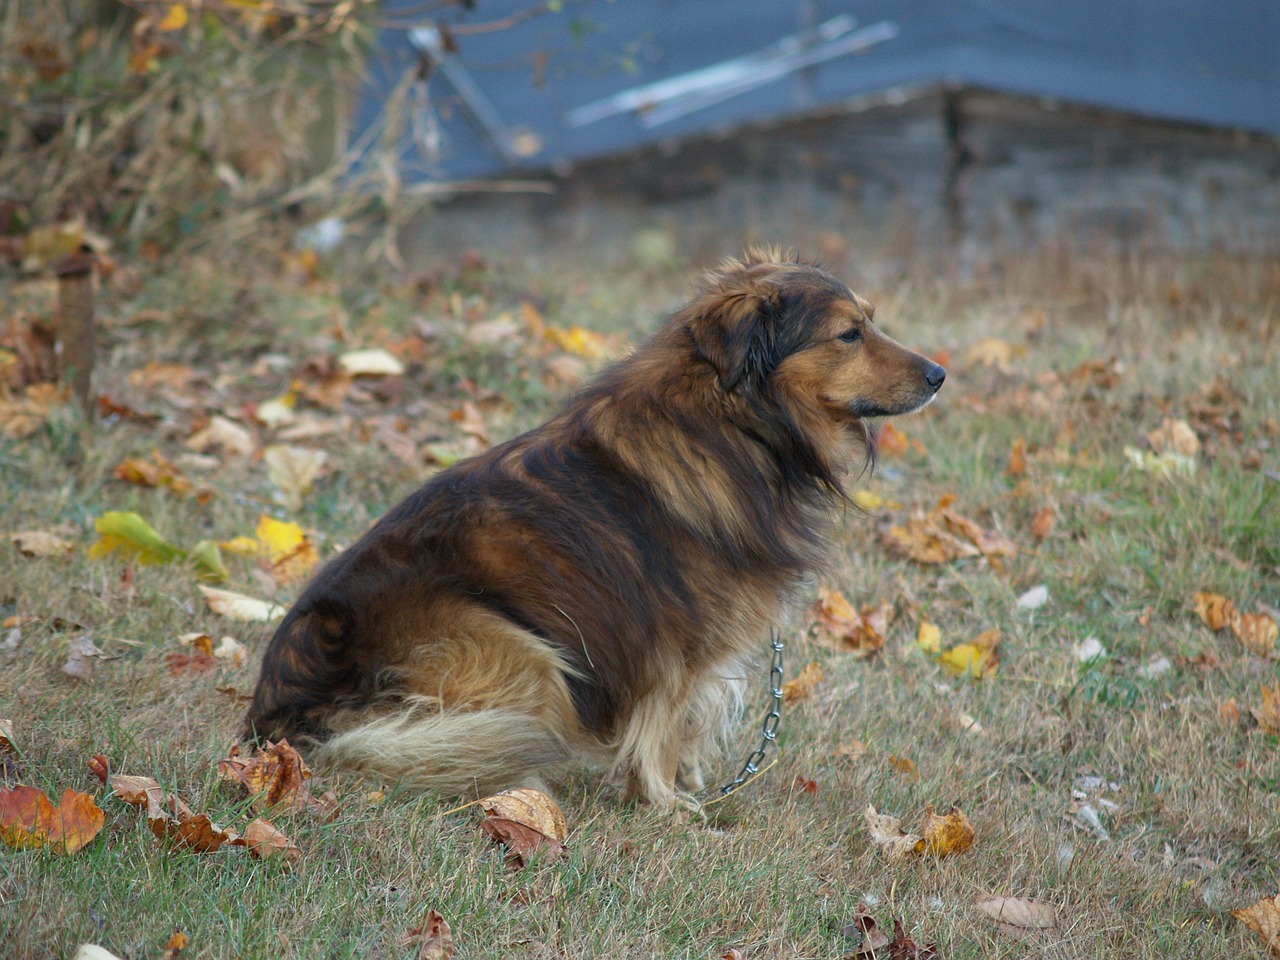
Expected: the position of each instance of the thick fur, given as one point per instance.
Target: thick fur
(591, 589)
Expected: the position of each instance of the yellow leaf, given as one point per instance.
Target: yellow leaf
(579, 340)
(242, 546)
(1268, 715)
(175, 19)
(873, 501)
(134, 538)
(977, 659)
(293, 470)
(1257, 631)
(929, 638)
(887, 834)
(948, 834)
(278, 538)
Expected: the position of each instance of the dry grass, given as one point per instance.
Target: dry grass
(776, 871)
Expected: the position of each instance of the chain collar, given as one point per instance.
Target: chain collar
(769, 730)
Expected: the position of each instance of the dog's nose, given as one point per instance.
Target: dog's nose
(934, 375)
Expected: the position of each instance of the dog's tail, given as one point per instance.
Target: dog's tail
(454, 753)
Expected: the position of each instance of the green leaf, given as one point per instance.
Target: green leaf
(133, 537)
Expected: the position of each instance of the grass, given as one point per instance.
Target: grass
(775, 871)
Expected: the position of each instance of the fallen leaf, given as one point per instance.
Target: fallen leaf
(139, 792)
(183, 663)
(225, 435)
(886, 833)
(1017, 911)
(843, 628)
(891, 442)
(804, 785)
(1257, 631)
(528, 806)
(948, 834)
(578, 340)
(522, 841)
(288, 552)
(905, 766)
(870, 938)
(1263, 918)
(943, 535)
(993, 352)
(929, 638)
(1215, 610)
(1042, 523)
(802, 687)
(264, 841)
(274, 775)
(1167, 464)
(1018, 459)
(867, 500)
(853, 750)
(177, 943)
(977, 659)
(195, 831)
(24, 414)
(160, 472)
(100, 766)
(293, 470)
(375, 362)
(91, 951)
(1174, 436)
(902, 947)
(433, 938)
(238, 606)
(133, 538)
(29, 820)
(41, 543)
(1230, 711)
(1268, 715)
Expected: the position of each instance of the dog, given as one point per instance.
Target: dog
(588, 591)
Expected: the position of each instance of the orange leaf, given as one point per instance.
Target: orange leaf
(196, 831)
(1268, 715)
(1215, 611)
(891, 442)
(1257, 631)
(264, 841)
(1043, 523)
(1018, 459)
(28, 819)
(802, 687)
(842, 627)
(139, 791)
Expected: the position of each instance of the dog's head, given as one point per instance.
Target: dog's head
(768, 324)
(792, 339)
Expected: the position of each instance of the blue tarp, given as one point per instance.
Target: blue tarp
(512, 100)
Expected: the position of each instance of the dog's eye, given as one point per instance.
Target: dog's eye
(852, 335)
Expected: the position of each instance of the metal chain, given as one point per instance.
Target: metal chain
(769, 731)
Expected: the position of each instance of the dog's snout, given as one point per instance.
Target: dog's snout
(934, 375)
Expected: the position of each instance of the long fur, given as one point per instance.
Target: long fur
(590, 590)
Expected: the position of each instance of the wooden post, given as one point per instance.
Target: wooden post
(75, 342)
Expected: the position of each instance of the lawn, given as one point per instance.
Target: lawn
(1111, 418)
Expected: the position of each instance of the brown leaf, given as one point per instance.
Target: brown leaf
(886, 833)
(177, 943)
(24, 414)
(100, 766)
(193, 830)
(903, 947)
(1263, 918)
(41, 543)
(264, 841)
(434, 939)
(522, 841)
(905, 766)
(802, 687)
(843, 628)
(1017, 911)
(530, 807)
(140, 792)
(182, 663)
(871, 938)
(81, 653)
(28, 819)
(1043, 523)
(275, 775)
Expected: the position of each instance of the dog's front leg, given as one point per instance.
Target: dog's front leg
(650, 751)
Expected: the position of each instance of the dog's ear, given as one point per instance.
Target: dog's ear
(735, 329)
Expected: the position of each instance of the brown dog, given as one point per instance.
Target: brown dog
(589, 590)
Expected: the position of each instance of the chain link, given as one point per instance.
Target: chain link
(769, 730)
